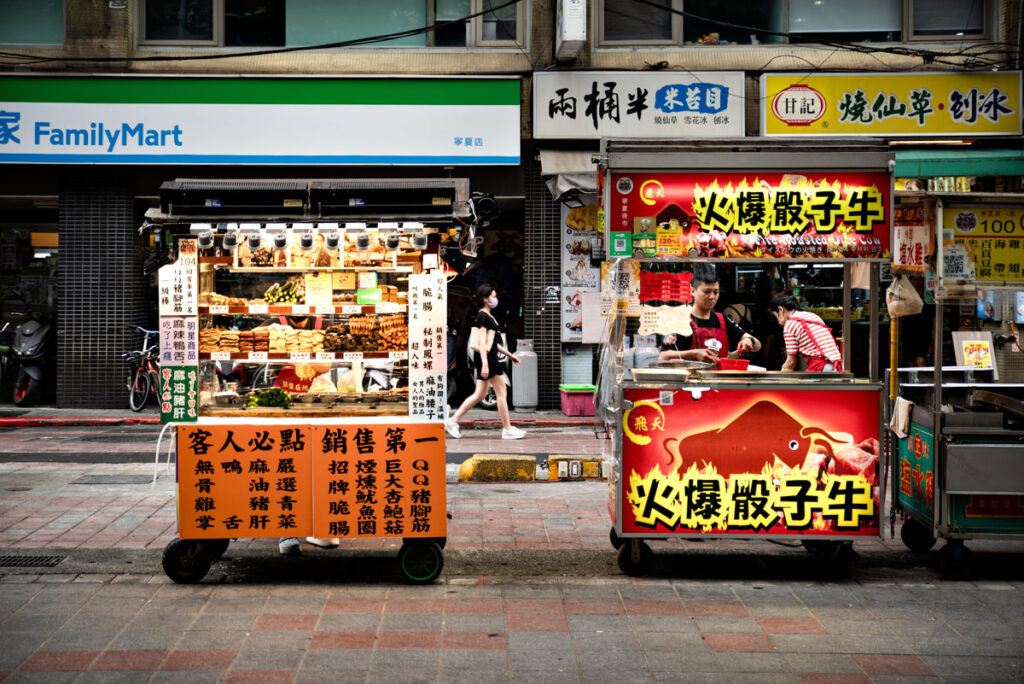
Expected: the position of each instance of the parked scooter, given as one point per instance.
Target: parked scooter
(31, 357)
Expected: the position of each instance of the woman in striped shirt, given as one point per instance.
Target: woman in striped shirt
(805, 335)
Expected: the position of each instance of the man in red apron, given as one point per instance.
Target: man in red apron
(714, 335)
(807, 336)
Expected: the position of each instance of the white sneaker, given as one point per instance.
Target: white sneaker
(289, 546)
(512, 433)
(452, 428)
(325, 543)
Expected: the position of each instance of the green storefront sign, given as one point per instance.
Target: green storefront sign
(179, 394)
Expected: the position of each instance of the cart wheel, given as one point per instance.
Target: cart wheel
(615, 539)
(635, 557)
(916, 536)
(956, 560)
(820, 548)
(215, 548)
(440, 541)
(185, 561)
(421, 561)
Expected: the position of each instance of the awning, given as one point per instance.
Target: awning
(569, 169)
(929, 163)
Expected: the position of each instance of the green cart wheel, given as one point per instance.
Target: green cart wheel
(421, 561)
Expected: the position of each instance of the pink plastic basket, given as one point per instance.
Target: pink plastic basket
(577, 403)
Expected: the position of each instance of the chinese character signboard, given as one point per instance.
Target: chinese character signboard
(983, 244)
(179, 340)
(379, 480)
(917, 472)
(912, 238)
(629, 104)
(580, 240)
(842, 215)
(689, 466)
(261, 121)
(428, 345)
(891, 105)
(179, 391)
(244, 481)
(177, 289)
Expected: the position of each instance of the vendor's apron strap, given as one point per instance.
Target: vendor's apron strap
(817, 363)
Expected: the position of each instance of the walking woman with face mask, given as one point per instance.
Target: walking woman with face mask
(489, 373)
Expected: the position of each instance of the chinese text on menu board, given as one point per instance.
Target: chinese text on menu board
(427, 345)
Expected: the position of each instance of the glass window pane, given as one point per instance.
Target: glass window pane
(179, 20)
(315, 22)
(846, 20)
(949, 17)
(453, 35)
(756, 13)
(500, 24)
(628, 20)
(254, 22)
(32, 22)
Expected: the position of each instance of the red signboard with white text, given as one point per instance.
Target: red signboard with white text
(751, 462)
(833, 215)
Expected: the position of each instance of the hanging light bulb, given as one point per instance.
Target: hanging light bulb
(391, 243)
(206, 239)
(280, 240)
(332, 240)
(363, 242)
(419, 241)
(230, 241)
(306, 240)
(255, 240)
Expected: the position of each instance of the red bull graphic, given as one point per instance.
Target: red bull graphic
(751, 462)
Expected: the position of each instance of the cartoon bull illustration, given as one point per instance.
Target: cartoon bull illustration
(754, 438)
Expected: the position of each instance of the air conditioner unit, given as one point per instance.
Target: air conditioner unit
(233, 198)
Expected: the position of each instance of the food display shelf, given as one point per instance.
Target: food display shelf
(305, 356)
(304, 309)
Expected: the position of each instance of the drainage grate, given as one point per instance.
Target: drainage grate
(30, 561)
(113, 479)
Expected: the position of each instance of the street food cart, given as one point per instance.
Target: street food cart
(959, 427)
(302, 359)
(704, 452)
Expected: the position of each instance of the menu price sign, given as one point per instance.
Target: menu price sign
(179, 341)
(244, 481)
(984, 243)
(177, 288)
(580, 240)
(379, 481)
(179, 392)
(428, 351)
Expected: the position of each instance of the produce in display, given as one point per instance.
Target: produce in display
(275, 396)
(291, 292)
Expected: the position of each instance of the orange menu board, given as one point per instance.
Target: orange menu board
(244, 481)
(379, 480)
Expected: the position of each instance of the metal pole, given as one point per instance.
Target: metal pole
(876, 314)
(847, 308)
(894, 359)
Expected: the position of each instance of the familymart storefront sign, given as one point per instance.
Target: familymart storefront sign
(265, 121)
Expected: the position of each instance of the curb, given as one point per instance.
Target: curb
(76, 421)
(498, 468)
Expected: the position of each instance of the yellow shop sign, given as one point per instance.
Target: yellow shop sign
(891, 105)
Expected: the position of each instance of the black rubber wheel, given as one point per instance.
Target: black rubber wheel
(615, 539)
(916, 536)
(421, 561)
(185, 561)
(215, 548)
(638, 563)
(821, 548)
(956, 560)
(139, 392)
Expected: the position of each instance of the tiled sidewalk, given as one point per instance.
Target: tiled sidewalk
(137, 628)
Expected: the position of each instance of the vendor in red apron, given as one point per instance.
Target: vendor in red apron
(807, 336)
(714, 335)
(298, 378)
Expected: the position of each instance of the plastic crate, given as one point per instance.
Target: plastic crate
(577, 400)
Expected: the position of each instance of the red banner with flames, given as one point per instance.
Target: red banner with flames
(842, 215)
(751, 462)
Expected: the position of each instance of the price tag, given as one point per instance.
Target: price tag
(219, 309)
(328, 310)
(300, 309)
(220, 356)
(257, 356)
(398, 356)
(325, 356)
(351, 309)
(388, 307)
(353, 356)
(258, 308)
(299, 356)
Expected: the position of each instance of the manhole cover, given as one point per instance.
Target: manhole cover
(30, 561)
(113, 479)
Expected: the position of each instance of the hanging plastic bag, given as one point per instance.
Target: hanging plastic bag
(901, 298)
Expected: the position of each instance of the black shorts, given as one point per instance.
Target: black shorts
(493, 367)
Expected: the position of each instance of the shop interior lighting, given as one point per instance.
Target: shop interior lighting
(230, 241)
(255, 240)
(419, 241)
(332, 240)
(306, 240)
(571, 198)
(206, 239)
(391, 242)
(363, 241)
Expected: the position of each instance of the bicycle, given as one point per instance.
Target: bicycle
(143, 370)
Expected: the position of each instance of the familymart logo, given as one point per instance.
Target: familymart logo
(98, 134)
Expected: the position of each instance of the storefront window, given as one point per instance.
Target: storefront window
(269, 23)
(722, 22)
(32, 22)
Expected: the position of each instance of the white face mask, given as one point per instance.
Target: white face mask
(492, 302)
